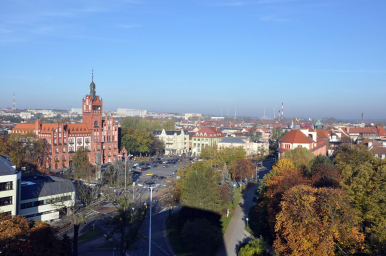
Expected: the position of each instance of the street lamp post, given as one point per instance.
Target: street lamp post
(151, 200)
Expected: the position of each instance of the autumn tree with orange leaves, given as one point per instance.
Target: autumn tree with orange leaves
(18, 236)
(242, 168)
(316, 221)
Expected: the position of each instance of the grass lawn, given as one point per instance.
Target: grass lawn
(108, 245)
(225, 220)
(89, 234)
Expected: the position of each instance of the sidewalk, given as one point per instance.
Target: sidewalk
(236, 233)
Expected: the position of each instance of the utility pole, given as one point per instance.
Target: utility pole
(235, 112)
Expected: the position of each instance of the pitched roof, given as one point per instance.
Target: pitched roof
(361, 130)
(44, 186)
(322, 134)
(77, 128)
(375, 143)
(296, 136)
(6, 167)
(380, 130)
(211, 132)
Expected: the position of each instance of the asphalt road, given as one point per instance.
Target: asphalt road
(159, 245)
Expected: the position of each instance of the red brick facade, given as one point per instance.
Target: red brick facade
(99, 136)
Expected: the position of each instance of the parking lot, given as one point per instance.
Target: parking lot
(153, 173)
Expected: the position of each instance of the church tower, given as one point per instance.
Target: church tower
(92, 108)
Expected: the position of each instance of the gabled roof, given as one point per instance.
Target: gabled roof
(375, 143)
(380, 130)
(209, 132)
(296, 136)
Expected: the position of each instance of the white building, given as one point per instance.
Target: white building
(9, 185)
(40, 192)
(32, 196)
(131, 112)
(175, 142)
(251, 148)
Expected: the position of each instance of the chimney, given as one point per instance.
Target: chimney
(370, 144)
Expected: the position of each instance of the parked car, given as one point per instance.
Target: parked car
(154, 176)
(149, 174)
(165, 166)
(129, 191)
(149, 182)
(151, 159)
(153, 165)
(161, 177)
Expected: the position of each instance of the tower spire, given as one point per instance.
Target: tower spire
(92, 86)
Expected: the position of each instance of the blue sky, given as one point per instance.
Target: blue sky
(321, 58)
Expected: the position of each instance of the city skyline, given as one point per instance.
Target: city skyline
(321, 58)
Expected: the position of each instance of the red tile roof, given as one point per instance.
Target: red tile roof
(296, 136)
(211, 132)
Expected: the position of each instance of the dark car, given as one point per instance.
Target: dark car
(149, 182)
(154, 176)
(153, 165)
(144, 168)
(135, 172)
(151, 159)
(161, 177)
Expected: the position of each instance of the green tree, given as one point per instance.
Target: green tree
(169, 125)
(201, 190)
(253, 134)
(81, 164)
(277, 134)
(137, 141)
(126, 222)
(255, 247)
(4, 148)
(27, 150)
(157, 147)
(301, 157)
(320, 159)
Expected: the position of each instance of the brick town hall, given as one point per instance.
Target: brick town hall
(99, 136)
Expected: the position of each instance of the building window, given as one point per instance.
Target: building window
(6, 200)
(64, 150)
(6, 186)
